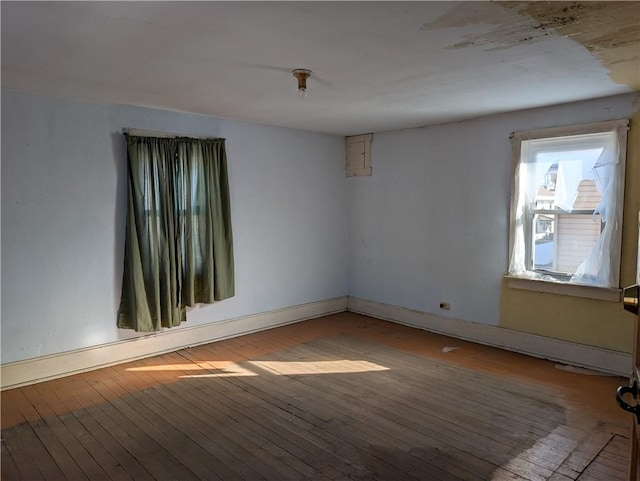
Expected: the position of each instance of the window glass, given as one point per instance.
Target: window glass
(567, 207)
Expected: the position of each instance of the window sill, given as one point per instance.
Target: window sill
(575, 290)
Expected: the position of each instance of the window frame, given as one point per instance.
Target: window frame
(557, 285)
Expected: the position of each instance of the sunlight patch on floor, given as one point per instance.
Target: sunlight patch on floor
(192, 366)
(284, 368)
(215, 368)
(233, 370)
(278, 368)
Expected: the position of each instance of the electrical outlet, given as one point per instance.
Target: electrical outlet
(445, 305)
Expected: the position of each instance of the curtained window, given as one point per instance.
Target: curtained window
(179, 246)
(567, 204)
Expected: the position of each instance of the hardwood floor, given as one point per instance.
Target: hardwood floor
(343, 397)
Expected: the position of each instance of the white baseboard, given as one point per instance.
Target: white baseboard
(44, 368)
(596, 358)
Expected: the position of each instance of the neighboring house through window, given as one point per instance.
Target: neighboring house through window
(566, 212)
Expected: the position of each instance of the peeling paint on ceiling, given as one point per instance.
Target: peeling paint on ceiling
(608, 30)
(498, 28)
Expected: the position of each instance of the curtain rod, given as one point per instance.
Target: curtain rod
(164, 135)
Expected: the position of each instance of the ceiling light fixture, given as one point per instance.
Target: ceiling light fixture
(302, 75)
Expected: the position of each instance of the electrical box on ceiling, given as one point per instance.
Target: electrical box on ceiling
(359, 155)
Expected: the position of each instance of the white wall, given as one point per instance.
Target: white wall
(63, 214)
(431, 223)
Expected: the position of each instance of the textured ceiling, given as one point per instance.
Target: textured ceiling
(376, 65)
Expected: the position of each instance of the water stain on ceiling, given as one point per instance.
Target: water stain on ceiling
(608, 30)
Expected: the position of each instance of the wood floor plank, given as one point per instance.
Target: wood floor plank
(8, 467)
(468, 403)
(384, 415)
(272, 441)
(370, 434)
(35, 438)
(480, 405)
(147, 441)
(229, 426)
(285, 420)
(339, 398)
(86, 431)
(560, 477)
(115, 441)
(18, 443)
(87, 468)
(187, 432)
(311, 416)
(603, 467)
(482, 393)
(582, 456)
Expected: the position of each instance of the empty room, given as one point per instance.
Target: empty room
(320, 241)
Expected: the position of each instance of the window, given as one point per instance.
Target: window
(178, 246)
(566, 213)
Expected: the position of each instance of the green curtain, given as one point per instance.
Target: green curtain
(179, 243)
